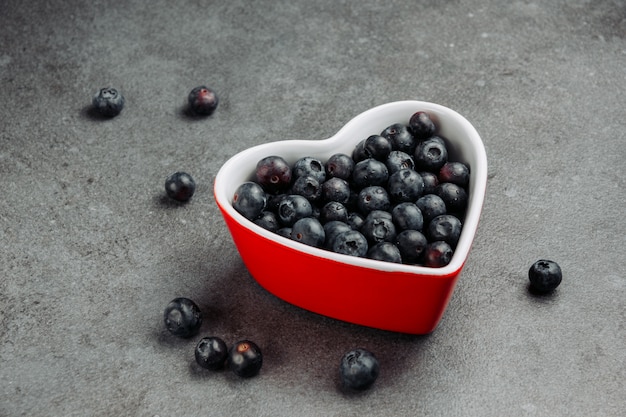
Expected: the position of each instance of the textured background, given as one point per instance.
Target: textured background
(92, 251)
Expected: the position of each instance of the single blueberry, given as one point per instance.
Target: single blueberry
(108, 102)
(430, 181)
(377, 147)
(339, 165)
(431, 206)
(407, 216)
(333, 210)
(293, 208)
(411, 244)
(273, 173)
(350, 242)
(267, 220)
(249, 200)
(378, 229)
(202, 100)
(437, 254)
(309, 166)
(445, 227)
(385, 251)
(455, 172)
(358, 153)
(332, 229)
(430, 155)
(211, 353)
(245, 359)
(180, 186)
(358, 369)
(182, 317)
(336, 189)
(453, 195)
(398, 160)
(405, 185)
(370, 172)
(400, 137)
(373, 198)
(422, 125)
(308, 187)
(309, 231)
(544, 276)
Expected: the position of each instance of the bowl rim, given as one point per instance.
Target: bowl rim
(478, 183)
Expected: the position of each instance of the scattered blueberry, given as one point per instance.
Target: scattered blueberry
(180, 186)
(358, 369)
(211, 353)
(202, 100)
(544, 276)
(245, 359)
(108, 102)
(182, 317)
(249, 200)
(273, 173)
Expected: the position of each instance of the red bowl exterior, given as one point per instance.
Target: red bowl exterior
(395, 301)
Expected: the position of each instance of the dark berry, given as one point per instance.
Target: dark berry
(273, 200)
(351, 243)
(309, 166)
(332, 229)
(293, 208)
(437, 254)
(544, 276)
(421, 125)
(407, 216)
(180, 186)
(378, 229)
(333, 210)
(355, 220)
(211, 353)
(267, 220)
(454, 172)
(339, 165)
(373, 198)
(108, 102)
(385, 251)
(445, 227)
(308, 187)
(284, 232)
(358, 369)
(359, 154)
(336, 189)
(249, 200)
(370, 172)
(405, 185)
(431, 206)
(430, 181)
(398, 160)
(400, 137)
(308, 231)
(377, 147)
(376, 214)
(202, 100)
(182, 317)
(453, 195)
(245, 359)
(430, 155)
(273, 173)
(411, 245)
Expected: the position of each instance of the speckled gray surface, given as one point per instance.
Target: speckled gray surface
(92, 251)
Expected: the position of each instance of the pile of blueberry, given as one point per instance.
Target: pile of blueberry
(397, 198)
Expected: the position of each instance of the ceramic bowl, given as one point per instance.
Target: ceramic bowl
(389, 296)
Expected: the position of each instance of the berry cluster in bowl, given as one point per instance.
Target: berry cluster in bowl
(398, 197)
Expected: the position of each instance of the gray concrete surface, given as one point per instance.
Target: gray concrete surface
(92, 251)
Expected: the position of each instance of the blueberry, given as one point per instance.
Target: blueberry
(431, 181)
(453, 195)
(249, 200)
(411, 244)
(385, 251)
(377, 214)
(378, 229)
(350, 242)
(339, 165)
(273, 173)
(108, 102)
(373, 198)
(333, 210)
(358, 369)
(445, 227)
(544, 276)
(358, 153)
(308, 231)
(309, 166)
(284, 232)
(202, 100)
(211, 353)
(336, 189)
(398, 160)
(370, 172)
(407, 216)
(308, 187)
(332, 229)
(180, 186)
(400, 137)
(377, 147)
(437, 254)
(293, 208)
(182, 317)
(405, 185)
(245, 359)
(273, 200)
(431, 206)
(422, 125)
(267, 220)
(455, 172)
(430, 155)
(355, 220)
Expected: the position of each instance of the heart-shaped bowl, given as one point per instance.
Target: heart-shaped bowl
(384, 295)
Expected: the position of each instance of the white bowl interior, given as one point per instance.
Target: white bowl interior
(463, 142)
